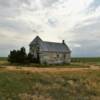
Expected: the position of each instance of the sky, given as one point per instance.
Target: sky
(75, 21)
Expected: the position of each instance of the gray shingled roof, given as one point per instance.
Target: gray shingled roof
(51, 46)
(54, 47)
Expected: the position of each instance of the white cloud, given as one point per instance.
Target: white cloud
(52, 20)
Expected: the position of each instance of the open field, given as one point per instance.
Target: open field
(77, 81)
(3, 58)
(88, 60)
(70, 85)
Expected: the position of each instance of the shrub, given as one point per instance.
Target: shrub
(18, 56)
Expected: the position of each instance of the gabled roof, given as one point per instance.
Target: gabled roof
(51, 46)
(36, 40)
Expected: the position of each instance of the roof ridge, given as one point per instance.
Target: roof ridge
(52, 42)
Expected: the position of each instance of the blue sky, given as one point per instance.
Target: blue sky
(75, 21)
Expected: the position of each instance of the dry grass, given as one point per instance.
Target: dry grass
(73, 85)
(26, 96)
(33, 83)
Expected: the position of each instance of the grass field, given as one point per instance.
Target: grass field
(86, 59)
(3, 58)
(49, 86)
(61, 83)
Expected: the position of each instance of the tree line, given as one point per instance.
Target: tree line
(20, 56)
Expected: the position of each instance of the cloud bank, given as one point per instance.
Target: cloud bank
(76, 21)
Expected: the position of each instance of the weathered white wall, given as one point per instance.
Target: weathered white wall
(51, 57)
(54, 58)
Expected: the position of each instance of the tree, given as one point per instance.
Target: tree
(18, 56)
(12, 56)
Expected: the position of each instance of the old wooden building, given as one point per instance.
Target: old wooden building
(50, 52)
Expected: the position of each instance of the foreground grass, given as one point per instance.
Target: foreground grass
(50, 86)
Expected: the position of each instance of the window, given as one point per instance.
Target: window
(57, 55)
(64, 56)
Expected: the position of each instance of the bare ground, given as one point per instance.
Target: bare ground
(36, 69)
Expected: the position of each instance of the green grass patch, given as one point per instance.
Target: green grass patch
(86, 59)
(3, 58)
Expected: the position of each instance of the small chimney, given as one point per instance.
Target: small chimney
(63, 41)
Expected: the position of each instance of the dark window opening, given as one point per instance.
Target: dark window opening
(57, 55)
(64, 56)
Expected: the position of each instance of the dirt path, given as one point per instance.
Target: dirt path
(35, 69)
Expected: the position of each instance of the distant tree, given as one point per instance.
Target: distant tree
(22, 56)
(18, 56)
(12, 56)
